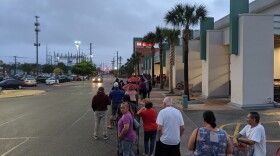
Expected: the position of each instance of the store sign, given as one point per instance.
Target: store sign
(143, 44)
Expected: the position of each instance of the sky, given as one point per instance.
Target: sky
(110, 25)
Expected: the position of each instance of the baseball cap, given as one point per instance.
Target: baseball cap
(116, 84)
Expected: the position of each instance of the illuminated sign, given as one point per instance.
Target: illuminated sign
(143, 44)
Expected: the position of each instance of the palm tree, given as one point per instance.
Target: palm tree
(159, 40)
(184, 16)
(171, 36)
(135, 58)
(150, 37)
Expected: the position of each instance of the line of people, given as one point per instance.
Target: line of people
(162, 132)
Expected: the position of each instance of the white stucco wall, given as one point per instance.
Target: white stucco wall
(216, 65)
(179, 66)
(195, 65)
(252, 68)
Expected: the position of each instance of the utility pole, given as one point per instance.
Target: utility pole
(113, 64)
(120, 62)
(15, 72)
(37, 30)
(91, 56)
(117, 60)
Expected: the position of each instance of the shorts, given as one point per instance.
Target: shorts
(114, 109)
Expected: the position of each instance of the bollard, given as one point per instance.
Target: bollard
(185, 101)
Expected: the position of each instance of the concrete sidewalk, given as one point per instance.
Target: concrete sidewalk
(27, 92)
(157, 96)
(19, 93)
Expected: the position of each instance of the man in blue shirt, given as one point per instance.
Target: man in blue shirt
(116, 96)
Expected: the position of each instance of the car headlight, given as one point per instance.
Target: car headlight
(99, 79)
(93, 79)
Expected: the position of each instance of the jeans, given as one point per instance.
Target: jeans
(149, 136)
(100, 116)
(127, 148)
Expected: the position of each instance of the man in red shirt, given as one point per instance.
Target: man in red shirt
(149, 117)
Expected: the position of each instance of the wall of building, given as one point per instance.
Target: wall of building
(277, 63)
(179, 66)
(252, 68)
(157, 68)
(216, 65)
(195, 66)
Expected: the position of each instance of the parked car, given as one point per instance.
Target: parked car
(41, 79)
(30, 82)
(63, 79)
(11, 83)
(51, 81)
(1, 78)
(97, 79)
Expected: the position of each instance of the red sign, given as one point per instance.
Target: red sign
(143, 44)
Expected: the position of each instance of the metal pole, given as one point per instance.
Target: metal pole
(117, 63)
(90, 57)
(37, 30)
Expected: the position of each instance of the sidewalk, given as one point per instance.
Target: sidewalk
(19, 93)
(157, 97)
(26, 92)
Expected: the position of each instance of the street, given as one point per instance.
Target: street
(59, 122)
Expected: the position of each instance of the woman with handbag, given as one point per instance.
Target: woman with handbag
(209, 140)
(126, 134)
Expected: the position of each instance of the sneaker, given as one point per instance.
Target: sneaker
(95, 137)
(144, 154)
(105, 137)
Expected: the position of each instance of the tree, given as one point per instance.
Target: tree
(184, 16)
(26, 67)
(47, 68)
(62, 66)
(159, 40)
(135, 59)
(171, 36)
(58, 71)
(83, 68)
(150, 37)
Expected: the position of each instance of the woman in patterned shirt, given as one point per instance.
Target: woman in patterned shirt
(209, 140)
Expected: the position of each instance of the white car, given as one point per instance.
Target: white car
(30, 81)
(51, 81)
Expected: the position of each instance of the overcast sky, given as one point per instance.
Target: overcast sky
(109, 24)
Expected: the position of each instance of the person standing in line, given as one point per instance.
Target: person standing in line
(170, 129)
(126, 134)
(142, 89)
(254, 133)
(116, 96)
(99, 107)
(133, 95)
(149, 117)
(209, 140)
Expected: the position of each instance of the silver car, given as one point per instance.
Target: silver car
(30, 82)
(51, 81)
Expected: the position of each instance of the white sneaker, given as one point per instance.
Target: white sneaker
(144, 154)
(95, 137)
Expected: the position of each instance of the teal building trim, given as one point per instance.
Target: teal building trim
(205, 24)
(236, 7)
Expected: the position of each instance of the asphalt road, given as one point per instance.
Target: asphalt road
(59, 122)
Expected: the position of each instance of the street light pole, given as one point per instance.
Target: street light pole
(37, 30)
(90, 53)
(78, 43)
